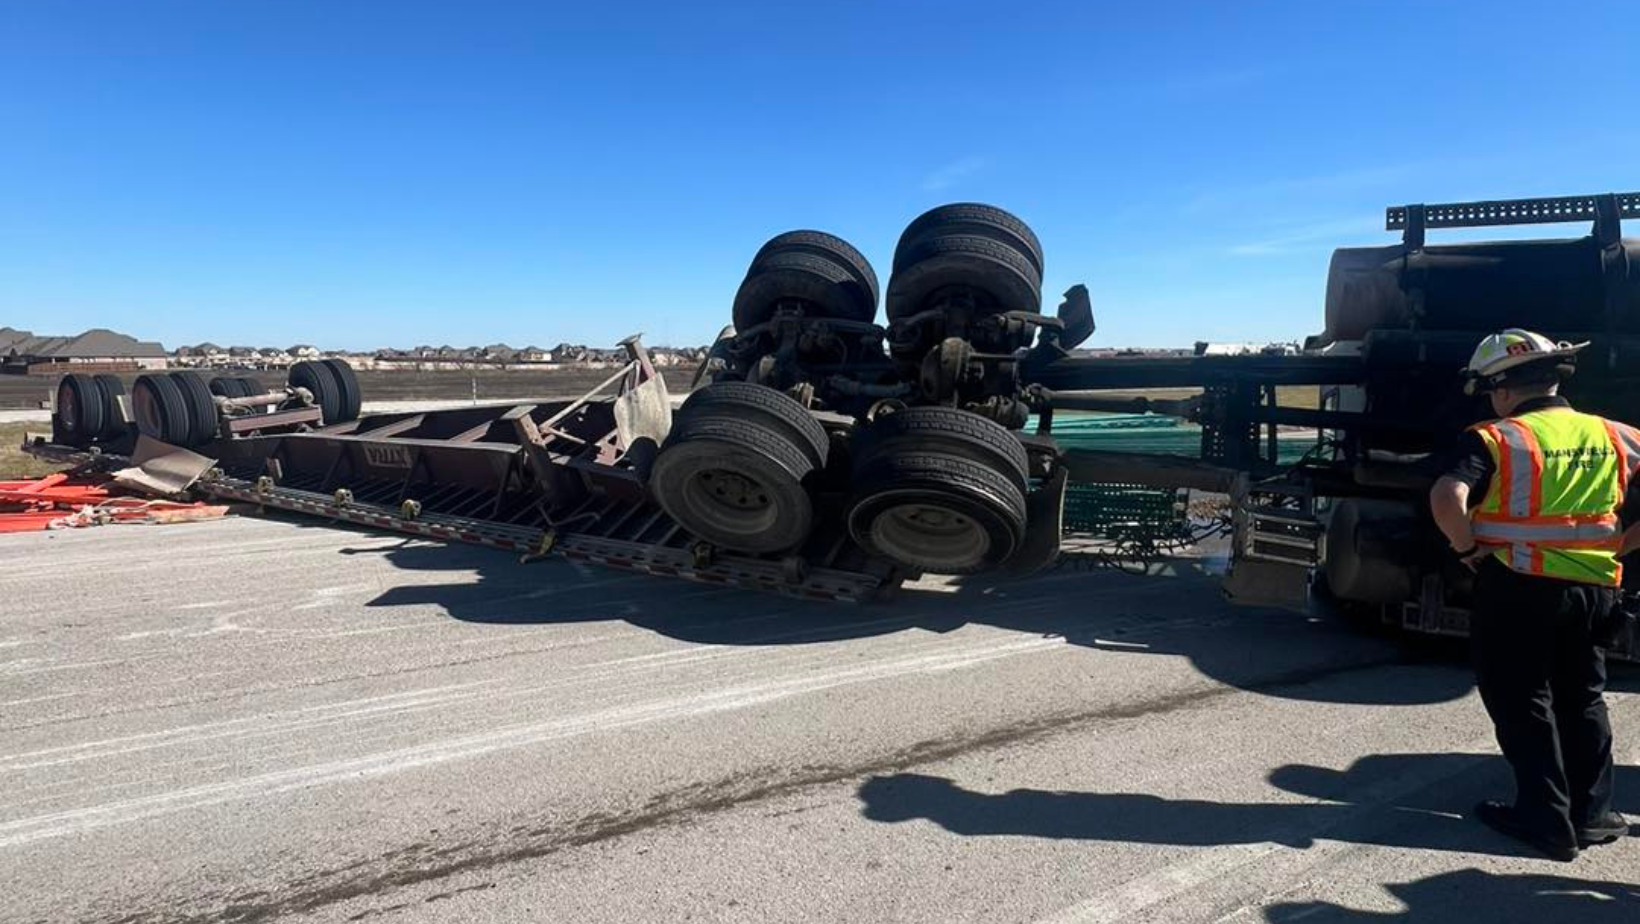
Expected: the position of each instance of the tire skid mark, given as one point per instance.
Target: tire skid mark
(189, 734)
(422, 863)
(291, 666)
(26, 830)
(290, 749)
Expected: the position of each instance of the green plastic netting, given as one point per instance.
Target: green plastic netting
(1132, 511)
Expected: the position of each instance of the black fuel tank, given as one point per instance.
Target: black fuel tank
(1553, 286)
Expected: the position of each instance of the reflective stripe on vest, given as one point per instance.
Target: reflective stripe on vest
(1627, 441)
(1560, 476)
(1569, 532)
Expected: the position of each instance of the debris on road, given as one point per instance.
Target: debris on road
(84, 498)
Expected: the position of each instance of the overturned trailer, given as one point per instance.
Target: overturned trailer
(824, 454)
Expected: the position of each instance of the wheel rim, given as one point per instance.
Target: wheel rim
(730, 501)
(68, 408)
(145, 407)
(933, 536)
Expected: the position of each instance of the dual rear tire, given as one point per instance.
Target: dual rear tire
(334, 387)
(82, 409)
(163, 410)
(938, 489)
(734, 468)
(242, 386)
(935, 489)
(176, 408)
(823, 273)
(985, 252)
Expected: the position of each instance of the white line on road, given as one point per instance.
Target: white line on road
(57, 824)
(1135, 895)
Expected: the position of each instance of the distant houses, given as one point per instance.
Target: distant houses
(96, 350)
(1206, 348)
(503, 356)
(210, 356)
(104, 350)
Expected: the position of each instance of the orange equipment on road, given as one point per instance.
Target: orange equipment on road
(70, 499)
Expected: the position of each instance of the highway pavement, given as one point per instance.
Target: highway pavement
(254, 720)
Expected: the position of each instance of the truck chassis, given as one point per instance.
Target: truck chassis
(1343, 528)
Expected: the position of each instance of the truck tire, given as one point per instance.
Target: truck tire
(825, 245)
(351, 398)
(321, 381)
(202, 423)
(81, 407)
(983, 250)
(947, 430)
(160, 410)
(972, 218)
(768, 407)
(228, 386)
(114, 424)
(825, 272)
(937, 512)
(736, 483)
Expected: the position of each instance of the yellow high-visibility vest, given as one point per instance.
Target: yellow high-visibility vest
(1559, 478)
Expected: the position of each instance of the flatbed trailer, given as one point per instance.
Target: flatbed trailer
(533, 478)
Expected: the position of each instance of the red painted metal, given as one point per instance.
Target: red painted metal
(81, 499)
(60, 488)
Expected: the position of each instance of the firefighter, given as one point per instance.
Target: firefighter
(1535, 502)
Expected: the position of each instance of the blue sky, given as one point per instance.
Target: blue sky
(359, 174)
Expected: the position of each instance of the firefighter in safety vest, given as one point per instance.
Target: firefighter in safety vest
(1536, 502)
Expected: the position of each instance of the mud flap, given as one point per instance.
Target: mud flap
(1044, 526)
(1251, 582)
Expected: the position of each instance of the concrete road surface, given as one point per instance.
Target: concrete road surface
(255, 720)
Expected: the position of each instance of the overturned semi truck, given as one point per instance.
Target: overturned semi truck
(826, 452)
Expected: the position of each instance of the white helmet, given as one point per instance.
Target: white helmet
(1511, 349)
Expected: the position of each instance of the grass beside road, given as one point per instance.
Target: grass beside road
(16, 464)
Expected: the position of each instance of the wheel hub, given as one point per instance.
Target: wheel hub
(734, 489)
(930, 536)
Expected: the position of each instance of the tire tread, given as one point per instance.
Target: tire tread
(734, 399)
(930, 427)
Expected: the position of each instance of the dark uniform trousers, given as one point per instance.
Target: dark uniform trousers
(1542, 677)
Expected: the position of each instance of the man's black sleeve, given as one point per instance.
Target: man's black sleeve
(1630, 511)
(1470, 463)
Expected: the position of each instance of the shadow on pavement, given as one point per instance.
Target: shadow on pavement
(1493, 898)
(1178, 611)
(1414, 801)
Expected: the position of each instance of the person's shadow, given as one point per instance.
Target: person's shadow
(1403, 800)
(1492, 898)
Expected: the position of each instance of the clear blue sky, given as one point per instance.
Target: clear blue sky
(359, 174)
